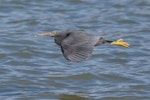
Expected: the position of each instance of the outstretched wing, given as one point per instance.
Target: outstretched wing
(77, 47)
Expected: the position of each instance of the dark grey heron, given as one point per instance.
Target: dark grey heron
(77, 45)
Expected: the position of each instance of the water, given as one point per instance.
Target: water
(33, 68)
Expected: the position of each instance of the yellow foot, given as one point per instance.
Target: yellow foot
(121, 43)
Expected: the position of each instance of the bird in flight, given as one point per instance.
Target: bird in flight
(77, 45)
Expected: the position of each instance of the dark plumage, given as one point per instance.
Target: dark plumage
(76, 45)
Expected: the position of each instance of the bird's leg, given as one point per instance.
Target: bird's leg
(109, 41)
(103, 40)
(119, 42)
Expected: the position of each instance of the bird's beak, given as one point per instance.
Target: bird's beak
(51, 34)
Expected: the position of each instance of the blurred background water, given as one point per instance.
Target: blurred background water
(33, 68)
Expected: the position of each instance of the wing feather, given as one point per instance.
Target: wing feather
(77, 47)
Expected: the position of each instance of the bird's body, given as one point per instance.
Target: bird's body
(76, 45)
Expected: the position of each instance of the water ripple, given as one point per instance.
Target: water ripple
(34, 68)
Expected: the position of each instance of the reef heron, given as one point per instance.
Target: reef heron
(77, 45)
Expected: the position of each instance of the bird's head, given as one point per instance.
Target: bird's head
(59, 36)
